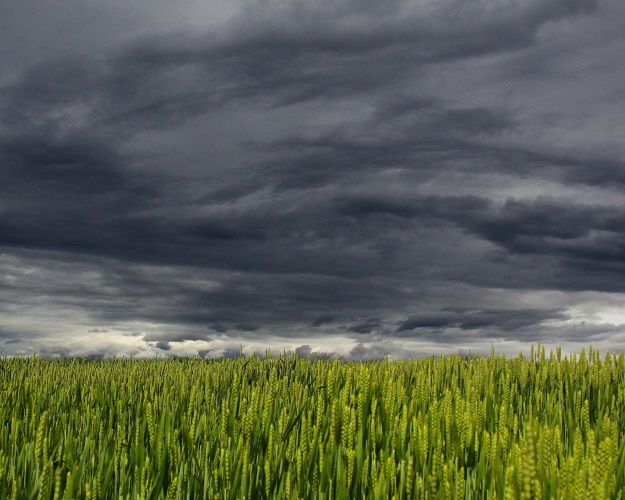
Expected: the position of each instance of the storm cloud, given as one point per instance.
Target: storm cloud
(327, 178)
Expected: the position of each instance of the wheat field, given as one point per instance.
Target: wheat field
(443, 427)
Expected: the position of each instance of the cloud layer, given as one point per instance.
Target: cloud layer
(323, 177)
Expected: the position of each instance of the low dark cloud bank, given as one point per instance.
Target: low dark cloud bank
(328, 178)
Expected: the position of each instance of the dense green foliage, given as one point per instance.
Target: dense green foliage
(448, 427)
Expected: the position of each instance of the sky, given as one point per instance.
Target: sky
(328, 177)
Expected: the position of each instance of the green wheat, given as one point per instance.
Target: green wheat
(287, 427)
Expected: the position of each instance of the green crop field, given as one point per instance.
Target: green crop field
(544, 426)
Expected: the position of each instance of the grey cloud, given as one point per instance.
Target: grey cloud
(440, 320)
(585, 332)
(246, 327)
(323, 319)
(306, 351)
(132, 334)
(163, 345)
(506, 320)
(161, 83)
(229, 352)
(443, 30)
(362, 352)
(588, 238)
(163, 339)
(80, 166)
(303, 351)
(366, 326)
(298, 166)
(56, 350)
(239, 327)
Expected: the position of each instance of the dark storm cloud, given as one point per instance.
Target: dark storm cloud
(163, 345)
(366, 326)
(588, 238)
(424, 140)
(323, 319)
(579, 235)
(506, 320)
(417, 140)
(296, 170)
(440, 31)
(161, 82)
(313, 50)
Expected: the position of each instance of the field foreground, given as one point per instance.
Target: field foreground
(448, 427)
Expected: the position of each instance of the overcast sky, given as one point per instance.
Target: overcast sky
(348, 177)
